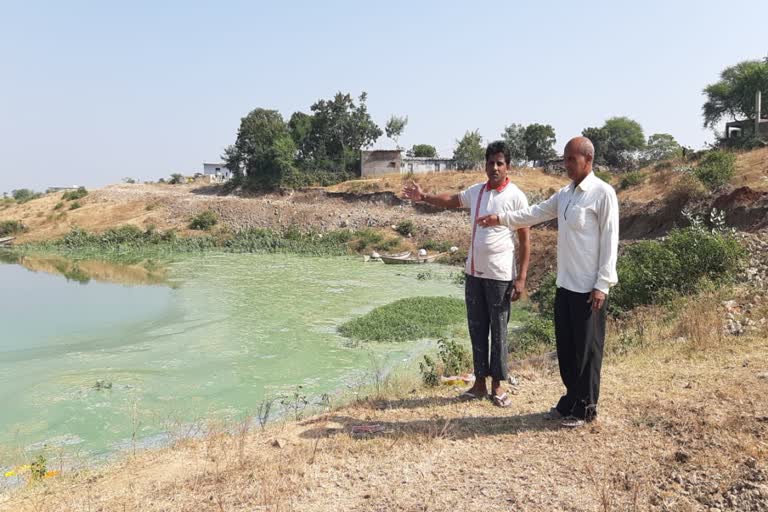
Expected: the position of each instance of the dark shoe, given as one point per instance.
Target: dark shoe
(554, 414)
(573, 422)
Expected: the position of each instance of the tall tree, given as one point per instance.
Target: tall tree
(423, 151)
(618, 142)
(264, 151)
(300, 126)
(469, 152)
(340, 128)
(660, 146)
(394, 128)
(733, 96)
(539, 140)
(514, 136)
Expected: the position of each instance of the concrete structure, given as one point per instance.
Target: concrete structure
(217, 171)
(392, 161)
(757, 126)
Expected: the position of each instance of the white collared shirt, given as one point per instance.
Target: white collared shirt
(492, 250)
(587, 233)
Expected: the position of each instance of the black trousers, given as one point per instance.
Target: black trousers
(580, 335)
(488, 312)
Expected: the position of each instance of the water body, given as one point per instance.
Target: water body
(210, 337)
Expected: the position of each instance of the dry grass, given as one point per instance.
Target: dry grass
(527, 179)
(683, 427)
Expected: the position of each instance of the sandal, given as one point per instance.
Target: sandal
(501, 400)
(468, 396)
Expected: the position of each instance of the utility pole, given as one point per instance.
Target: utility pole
(759, 109)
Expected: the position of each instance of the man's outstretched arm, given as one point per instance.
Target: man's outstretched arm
(413, 192)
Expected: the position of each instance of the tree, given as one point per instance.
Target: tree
(734, 94)
(300, 126)
(340, 128)
(264, 151)
(618, 142)
(469, 152)
(514, 136)
(539, 140)
(176, 179)
(423, 151)
(394, 128)
(660, 146)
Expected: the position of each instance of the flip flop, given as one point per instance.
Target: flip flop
(501, 400)
(468, 396)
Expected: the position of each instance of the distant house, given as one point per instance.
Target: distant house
(745, 128)
(378, 162)
(217, 172)
(51, 190)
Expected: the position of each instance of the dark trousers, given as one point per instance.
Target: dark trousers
(580, 335)
(488, 312)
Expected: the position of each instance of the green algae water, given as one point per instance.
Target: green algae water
(97, 358)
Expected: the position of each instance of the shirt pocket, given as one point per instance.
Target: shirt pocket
(576, 217)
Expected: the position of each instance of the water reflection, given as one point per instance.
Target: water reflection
(147, 272)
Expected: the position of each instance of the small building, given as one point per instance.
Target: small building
(378, 162)
(217, 172)
(51, 190)
(745, 128)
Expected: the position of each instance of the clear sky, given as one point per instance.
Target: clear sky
(92, 92)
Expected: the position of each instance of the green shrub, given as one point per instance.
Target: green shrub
(72, 195)
(663, 166)
(11, 227)
(176, 179)
(604, 175)
(59, 205)
(455, 359)
(204, 221)
(631, 179)
(407, 319)
(538, 332)
(23, 195)
(366, 238)
(436, 246)
(716, 169)
(74, 205)
(406, 227)
(544, 297)
(652, 272)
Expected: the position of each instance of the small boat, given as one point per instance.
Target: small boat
(7, 240)
(408, 259)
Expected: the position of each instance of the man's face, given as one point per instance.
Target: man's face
(496, 169)
(577, 165)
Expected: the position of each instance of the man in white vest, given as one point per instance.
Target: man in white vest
(492, 277)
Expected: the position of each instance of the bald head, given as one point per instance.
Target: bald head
(579, 155)
(582, 146)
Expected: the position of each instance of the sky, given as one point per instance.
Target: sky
(92, 92)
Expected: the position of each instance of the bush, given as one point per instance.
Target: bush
(604, 175)
(23, 195)
(631, 179)
(406, 228)
(366, 238)
(537, 332)
(74, 205)
(204, 221)
(716, 169)
(176, 179)
(663, 166)
(544, 297)
(434, 245)
(72, 195)
(11, 227)
(59, 205)
(652, 272)
(455, 359)
(407, 319)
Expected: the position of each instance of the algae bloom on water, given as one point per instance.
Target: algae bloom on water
(408, 319)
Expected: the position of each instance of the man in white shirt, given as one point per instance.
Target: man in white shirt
(587, 214)
(492, 280)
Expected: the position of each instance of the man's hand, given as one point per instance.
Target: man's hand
(488, 220)
(413, 191)
(517, 290)
(597, 299)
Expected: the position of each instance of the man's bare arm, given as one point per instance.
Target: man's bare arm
(413, 192)
(524, 237)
